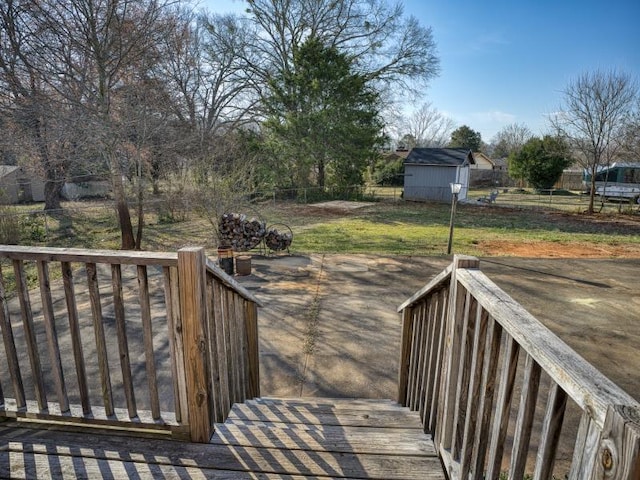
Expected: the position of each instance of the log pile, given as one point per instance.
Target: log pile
(277, 241)
(239, 232)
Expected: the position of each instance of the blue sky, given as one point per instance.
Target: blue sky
(509, 61)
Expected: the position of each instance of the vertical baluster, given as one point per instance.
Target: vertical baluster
(101, 344)
(228, 338)
(430, 325)
(464, 375)
(487, 390)
(413, 359)
(176, 345)
(219, 414)
(235, 346)
(242, 344)
(147, 330)
(405, 354)
(420, 339)
(30, 334)
(76, 340)
(10, 347)
(503, 407)
(434, 337)
(52, 336)
(473, 396)
(452, 366)
(253, 357)
(586, 448)
(439, 357)
(221, 347)
(550, 436)
(123, 342)
(422, 359)
(524, 422)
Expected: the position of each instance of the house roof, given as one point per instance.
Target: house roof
(7, 169)
(481, 156)
(444, 157)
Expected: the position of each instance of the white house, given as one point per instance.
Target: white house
(18, 186)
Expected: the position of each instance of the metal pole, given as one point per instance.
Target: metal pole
(454, 200)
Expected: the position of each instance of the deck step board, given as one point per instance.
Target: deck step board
(335, 403)
(329, 439)
(322, 416)
(367, 438)
(266, 438)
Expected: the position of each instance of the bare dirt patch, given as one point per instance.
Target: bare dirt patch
(542, 249)
(341, 205)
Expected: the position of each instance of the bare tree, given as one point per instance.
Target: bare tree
(429, 127)
(631, 137)
(385, 46)
(98, 47)
(510, 139)
(593, 116)
(33, 114)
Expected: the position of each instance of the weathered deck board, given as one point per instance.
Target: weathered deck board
(311, 415)
(304, 449)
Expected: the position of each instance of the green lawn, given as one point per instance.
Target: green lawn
(384, 227)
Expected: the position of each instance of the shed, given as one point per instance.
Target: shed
(86, 186)
(18, 186)
(429, 171)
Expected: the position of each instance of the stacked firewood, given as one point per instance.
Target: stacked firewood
(239, 232)
(276, 241)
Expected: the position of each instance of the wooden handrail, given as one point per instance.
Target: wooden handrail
(122, 257)
(440, 280)
(459, 367)
(231, 283)
(209, 320)
(590, 389)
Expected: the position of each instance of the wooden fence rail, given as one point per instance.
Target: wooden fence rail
(468, 350)
(142, 340)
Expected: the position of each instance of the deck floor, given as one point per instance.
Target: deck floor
(265, 438)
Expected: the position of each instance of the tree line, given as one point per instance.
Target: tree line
(286, 95)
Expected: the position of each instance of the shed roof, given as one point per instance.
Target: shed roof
(7, 169)
(444, 157)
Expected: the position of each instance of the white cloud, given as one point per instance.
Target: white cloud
(495, 116)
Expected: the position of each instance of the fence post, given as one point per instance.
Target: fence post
(193, 311)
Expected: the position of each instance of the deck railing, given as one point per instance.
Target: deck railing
(468, 349)
(136, 340)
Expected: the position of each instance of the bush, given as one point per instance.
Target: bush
(33, 228)
(9, 226)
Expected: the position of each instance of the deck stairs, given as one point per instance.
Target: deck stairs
(261, 438)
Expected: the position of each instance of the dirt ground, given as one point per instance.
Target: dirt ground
(330, 328)
(541, 249)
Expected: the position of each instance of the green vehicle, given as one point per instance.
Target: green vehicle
(620, 180)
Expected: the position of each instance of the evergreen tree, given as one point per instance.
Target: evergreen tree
(323, 121)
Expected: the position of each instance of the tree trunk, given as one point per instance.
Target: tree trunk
(52, 193)
(592, 193)
(140, 205)
(124, 217)
(321, 173)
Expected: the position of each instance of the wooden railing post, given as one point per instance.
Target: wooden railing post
(193, 311)
(618, 456)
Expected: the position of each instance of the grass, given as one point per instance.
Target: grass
(384, 227)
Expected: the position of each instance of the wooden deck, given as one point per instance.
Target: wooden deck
(263, 438)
